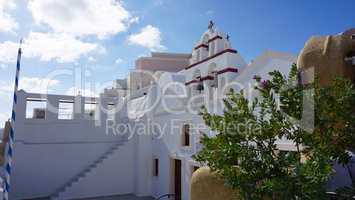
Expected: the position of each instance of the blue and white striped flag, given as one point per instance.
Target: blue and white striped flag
(10, 146)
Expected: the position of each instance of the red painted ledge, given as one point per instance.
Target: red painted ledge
(210, 40)
(190, 82)
(210, 77)
(214, 38)
(213, 56)
(201, 45)
(228, 69)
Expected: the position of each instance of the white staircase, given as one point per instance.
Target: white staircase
(58, 194)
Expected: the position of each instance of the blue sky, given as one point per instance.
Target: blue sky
(106, 36)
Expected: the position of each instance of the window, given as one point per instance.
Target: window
(212, 93)
(36, 108)
(212, 48)
(111, 111)
(90, 110)
(156, 167)
(212, 82)
(186, 135)
(200, 88)
(66, 109)
(222, 82)
(197, 55)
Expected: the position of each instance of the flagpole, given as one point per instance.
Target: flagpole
(10, 145)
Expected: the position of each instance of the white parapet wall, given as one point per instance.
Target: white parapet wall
(49, 152)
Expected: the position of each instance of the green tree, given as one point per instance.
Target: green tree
(319, 120)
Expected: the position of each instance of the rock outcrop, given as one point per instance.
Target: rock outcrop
(328, 57)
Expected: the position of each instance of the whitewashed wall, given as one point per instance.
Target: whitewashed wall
(169, 147)
(49, 152)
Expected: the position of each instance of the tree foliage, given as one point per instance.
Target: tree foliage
(319, 120)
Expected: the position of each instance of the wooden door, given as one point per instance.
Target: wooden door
(177, 179)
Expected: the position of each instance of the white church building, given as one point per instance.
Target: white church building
(137, 137)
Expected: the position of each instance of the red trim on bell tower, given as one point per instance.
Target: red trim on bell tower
(210, 77)
(213, 56)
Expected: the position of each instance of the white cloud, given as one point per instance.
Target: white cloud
(142, 55)
(3, 66)
(149, 37)
(81, 17)
(3, 118)
(61, 47)
(8, 51)
(5, 92)
(30, 84)
(7, 5)
(49, 46)
(5, 110)
(133, 20)
(37, 85)
(119, 61)
(7, 22)
(91, 59)
(84, 92)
